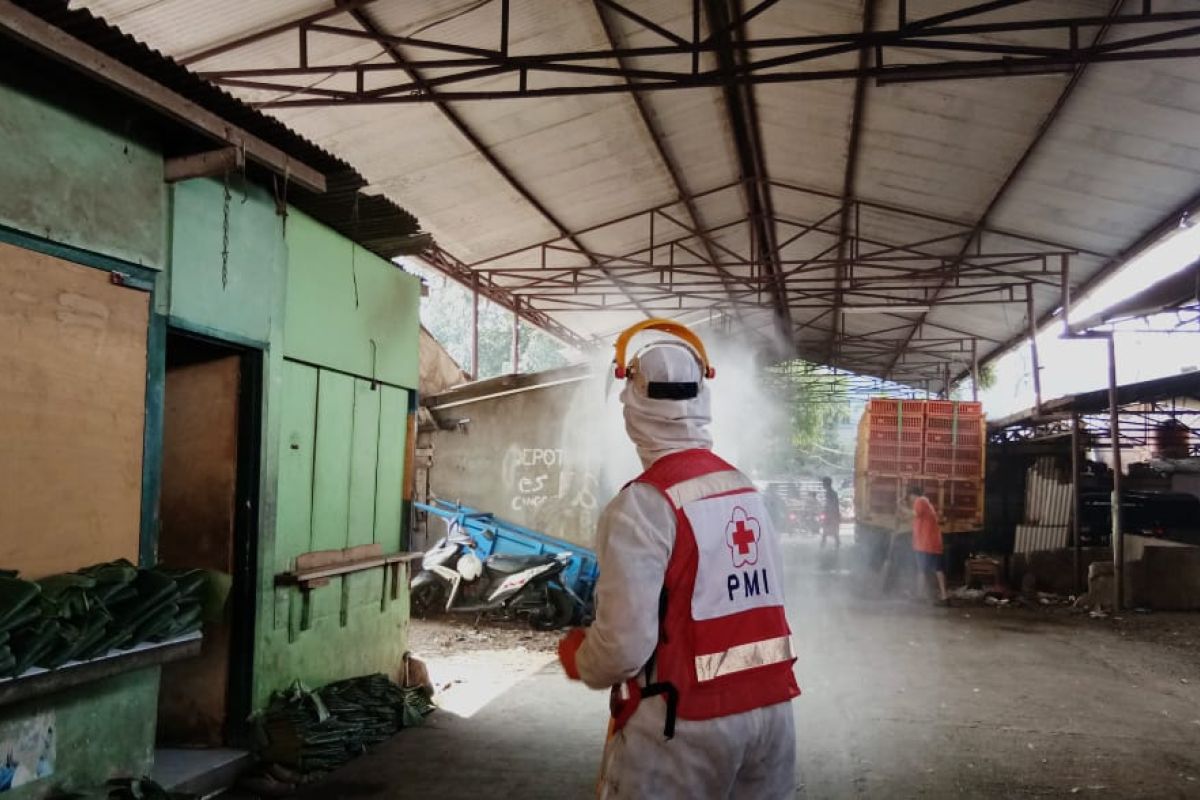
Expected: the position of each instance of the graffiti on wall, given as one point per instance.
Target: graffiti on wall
(540, 475)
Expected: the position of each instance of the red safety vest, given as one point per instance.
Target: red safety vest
(724, 643)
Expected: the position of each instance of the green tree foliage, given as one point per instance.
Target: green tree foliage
(446, 313)
(817, 407)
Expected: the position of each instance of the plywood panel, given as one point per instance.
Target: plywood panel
(73, 386)
(199, 491)
(393, 424)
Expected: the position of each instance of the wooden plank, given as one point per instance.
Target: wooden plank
(72, 389)
(199, 487)
(314, 574)
(365, 588)
(331, 558)
(389, 492)
(39, 682)
(331, 468)
(58, 44)
(297, 443)
(293, 530)
(203, 165)
(331, 477)
(364, 457)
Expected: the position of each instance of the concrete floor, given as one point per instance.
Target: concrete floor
(900, 700)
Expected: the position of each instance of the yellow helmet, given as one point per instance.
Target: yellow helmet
(622, 367)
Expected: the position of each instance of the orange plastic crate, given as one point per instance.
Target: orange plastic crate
(906, 422)
(940, 468)
(883, 405)
(895, 436)
(939, 453)
(964, 427)
(967, 469)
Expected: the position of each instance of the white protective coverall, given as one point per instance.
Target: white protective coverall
(748, 755)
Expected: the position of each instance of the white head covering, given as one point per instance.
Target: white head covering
(659, 427)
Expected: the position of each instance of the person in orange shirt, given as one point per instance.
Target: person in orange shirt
(926, 541)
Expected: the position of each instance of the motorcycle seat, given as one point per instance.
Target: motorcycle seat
(510, 565)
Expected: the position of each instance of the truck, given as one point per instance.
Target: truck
(937, 444)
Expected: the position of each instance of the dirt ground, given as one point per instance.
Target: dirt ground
(471, 665)
(901, 699)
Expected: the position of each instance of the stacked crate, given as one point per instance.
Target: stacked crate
(954, 444)
(937, 443)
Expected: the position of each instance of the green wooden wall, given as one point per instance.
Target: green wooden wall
(238, 295)
(70, 176)
(343, 387)
(348, 309)
(341, 464)
(79, 179)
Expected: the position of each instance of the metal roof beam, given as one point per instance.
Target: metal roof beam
(362, 17)
(740, 110)
(1038, 136)
(452, 267)
(459, 64)
(850, 175)
(339, 7)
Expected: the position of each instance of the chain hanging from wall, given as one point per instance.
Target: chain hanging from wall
(225, 233)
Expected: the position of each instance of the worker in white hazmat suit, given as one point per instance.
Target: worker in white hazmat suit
(690, 631)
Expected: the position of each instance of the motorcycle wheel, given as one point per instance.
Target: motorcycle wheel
(556, 612)
(427, 600)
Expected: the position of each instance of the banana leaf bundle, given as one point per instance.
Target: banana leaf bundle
(149, 613)
(33, 642)
(16, 596)
(113, 580)
(318, 731)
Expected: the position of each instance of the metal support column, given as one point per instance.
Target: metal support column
(1076, 469)
(1037, 366)
(1114, 429)
(516, 338)
(475, 328)
(975, 370)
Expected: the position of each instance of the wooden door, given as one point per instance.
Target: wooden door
(199, 493)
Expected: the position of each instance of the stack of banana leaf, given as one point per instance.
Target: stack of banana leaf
(314, 732)
(83, 615)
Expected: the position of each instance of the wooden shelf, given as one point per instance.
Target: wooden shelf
(317, 569)
(319, 576)
(37, 682)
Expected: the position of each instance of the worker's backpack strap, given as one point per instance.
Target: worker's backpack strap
(652, 689)
(625, 698)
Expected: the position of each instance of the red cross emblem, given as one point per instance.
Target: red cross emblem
(741, 537)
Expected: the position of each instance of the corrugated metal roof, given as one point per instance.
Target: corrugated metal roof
(496, 180)
(376, 222)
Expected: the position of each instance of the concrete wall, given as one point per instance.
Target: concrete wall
(79, 179)
(547, 458)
